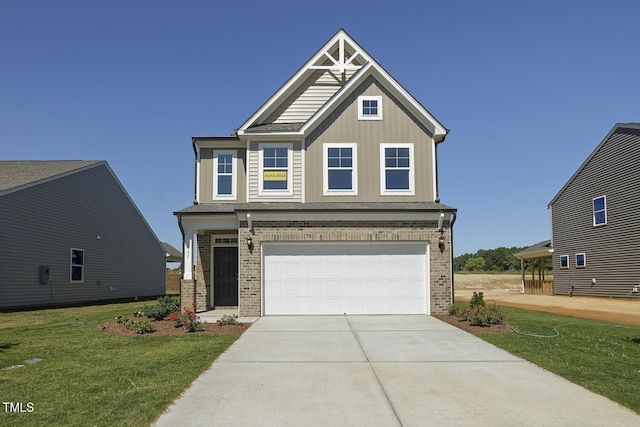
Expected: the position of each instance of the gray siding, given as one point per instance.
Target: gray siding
(613, 250)
(397, 126)
(42, 223)
(254, 173)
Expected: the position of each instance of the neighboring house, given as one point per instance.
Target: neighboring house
(596, 220)
(324, 201)
(171, 253)
(71, 234)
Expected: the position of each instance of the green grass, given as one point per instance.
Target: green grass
(603, 359)
(91, 378)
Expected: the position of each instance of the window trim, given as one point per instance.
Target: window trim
(234, 174)
(584, 258)
(71, 265)
(361, 115)
(593, 207)
(566, 257)
(383, 181)
(354, 169)
(275, 193)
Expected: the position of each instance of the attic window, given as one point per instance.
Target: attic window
(369, 108)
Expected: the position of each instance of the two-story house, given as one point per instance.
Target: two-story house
(324, 201)
(595, 220)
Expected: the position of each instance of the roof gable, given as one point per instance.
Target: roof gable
(616, 128)
(17, 175)
(321, 84)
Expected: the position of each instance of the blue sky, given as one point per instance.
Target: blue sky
(528, 89)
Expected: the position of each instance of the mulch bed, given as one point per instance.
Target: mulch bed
(475, 330)
(165, 328)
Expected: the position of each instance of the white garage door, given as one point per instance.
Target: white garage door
(352, 278)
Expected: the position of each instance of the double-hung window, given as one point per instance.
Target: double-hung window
(581, 260)
(369, 108)
(77, 265)
(224, 175)
(396, 169)
(564, 261)
(340, 174)
(600, 211)
(275, 169)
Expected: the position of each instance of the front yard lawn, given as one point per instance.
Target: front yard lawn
(88, 377)
(602, 357)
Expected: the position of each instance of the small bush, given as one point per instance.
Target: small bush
(228, 320)
(164, 306)
(476, 300)
(188, 319)
(140, 326)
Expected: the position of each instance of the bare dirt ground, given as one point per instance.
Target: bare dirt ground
(505, 290)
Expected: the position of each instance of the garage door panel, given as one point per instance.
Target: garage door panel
(366, 278)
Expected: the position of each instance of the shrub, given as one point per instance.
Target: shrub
(163, 307)
(228, 320)
(140, 326)
(476, 300)
(188, 319)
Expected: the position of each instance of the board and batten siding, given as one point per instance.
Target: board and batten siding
(397, 126)
(254, 171)
(206, 189)
(612, 250)
(41, 224)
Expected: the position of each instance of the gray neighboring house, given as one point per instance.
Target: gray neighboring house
(595, 220)
(325, 201)
(70, 234)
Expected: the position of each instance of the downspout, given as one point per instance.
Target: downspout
(453, 220)
(195, 176)
(435, 155)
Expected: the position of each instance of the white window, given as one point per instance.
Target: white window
(581, 260)
(600, 211)
(340, 172)
(396, 169)
(224, 174)
(564, 261)
(77, 265)
(369, 108)
(275, 169)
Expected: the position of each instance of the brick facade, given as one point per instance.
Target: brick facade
(249, 261)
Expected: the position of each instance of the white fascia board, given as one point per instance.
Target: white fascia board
(195, 223)
(208, 143)
(272, 136)
(339, 216)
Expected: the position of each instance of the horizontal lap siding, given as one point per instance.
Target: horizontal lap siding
(612, 251)
(206, 176)
(254, 171)
(41, 224)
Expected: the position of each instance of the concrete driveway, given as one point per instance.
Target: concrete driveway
(380, 371)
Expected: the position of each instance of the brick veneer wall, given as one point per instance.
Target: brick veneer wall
(249, 276)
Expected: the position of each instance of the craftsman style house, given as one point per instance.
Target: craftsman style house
(324, 201)
(596, 220)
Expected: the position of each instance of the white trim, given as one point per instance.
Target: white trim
(247, 174)
(434, 168)
(567, 257)
(584, 256)
(383, 190)
(197, 195)
(354, 169)
(71, 265)
(303, 172)
(336, 216)
(234, 174)
(361, 115)
(593, 211)
(275, 193)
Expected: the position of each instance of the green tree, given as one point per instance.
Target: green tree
(475, 264)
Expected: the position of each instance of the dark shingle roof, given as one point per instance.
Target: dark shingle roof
(542, 249)
(204, 208)
(15, 174)
(173, 255)
(276, 127)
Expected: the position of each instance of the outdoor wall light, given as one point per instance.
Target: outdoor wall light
(441, 243)
(250, 243)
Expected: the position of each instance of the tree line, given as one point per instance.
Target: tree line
(495, 260)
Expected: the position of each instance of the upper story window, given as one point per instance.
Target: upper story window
(275, 169)
(224, 175)
(581, 260)
(340, 174)
(600, 211)
(397, 169)
(369, 108)
(77, 265)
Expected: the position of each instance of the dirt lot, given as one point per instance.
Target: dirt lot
(505, 290)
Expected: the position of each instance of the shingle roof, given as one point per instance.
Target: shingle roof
(173, 255)
(205, 208)
(15, 174)
(542, 249)
(276, 127)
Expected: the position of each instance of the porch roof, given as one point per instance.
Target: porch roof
(539, 250)
(208, 208)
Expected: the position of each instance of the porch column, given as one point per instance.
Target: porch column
(187, 251)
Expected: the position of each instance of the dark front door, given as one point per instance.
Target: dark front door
(225, 276)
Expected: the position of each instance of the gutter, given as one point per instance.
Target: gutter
(453, 220)
(435, 154)
(195, 172)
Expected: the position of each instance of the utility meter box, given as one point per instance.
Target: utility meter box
(45, 274)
